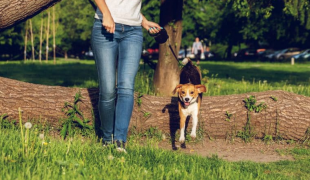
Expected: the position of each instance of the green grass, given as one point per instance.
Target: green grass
(224, 78)
(64, 73)
(221, 78)
(85, 158)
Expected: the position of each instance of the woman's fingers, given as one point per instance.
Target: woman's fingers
(110, 28)
(109, 25)
(154, 30)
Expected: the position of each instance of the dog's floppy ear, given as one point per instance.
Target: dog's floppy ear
(201, 88)
(177, 88)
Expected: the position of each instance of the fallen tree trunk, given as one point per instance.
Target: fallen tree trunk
(287, 115)
(15, 11)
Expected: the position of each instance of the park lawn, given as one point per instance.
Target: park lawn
(221, 78)
(298, 74)
(65, 73)
(84, 158)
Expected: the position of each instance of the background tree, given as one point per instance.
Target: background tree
(227, 24)
(166, 75)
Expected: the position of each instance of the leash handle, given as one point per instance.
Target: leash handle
(162, 37)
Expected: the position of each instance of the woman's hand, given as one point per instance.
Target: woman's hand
(108, 23)
(150, 26)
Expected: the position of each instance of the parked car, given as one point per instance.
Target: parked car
(150, 53)
(306, 56)
(247, 53)
(302, 55)
(286, 53)
(272, 54)
(265, 53)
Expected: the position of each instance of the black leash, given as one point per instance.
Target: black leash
(162, 37)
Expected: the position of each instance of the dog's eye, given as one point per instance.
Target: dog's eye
(192, 92)
(183, 92)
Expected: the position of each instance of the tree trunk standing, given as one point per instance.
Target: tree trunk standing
(26, 40)
(288, 117)
(31, 36)
(41, 39)
(66, 55)
(54, 36)
(228, 51)
(47, 35)
(15, 11)
(167, 70)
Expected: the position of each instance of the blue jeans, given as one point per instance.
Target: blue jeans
(116, 87)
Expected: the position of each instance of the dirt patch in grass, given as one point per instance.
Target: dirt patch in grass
(256, 151)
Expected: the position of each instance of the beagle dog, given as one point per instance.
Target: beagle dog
(189, 92)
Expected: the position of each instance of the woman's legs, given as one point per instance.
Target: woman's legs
(127, 43)
(105, 52)
(130, 49)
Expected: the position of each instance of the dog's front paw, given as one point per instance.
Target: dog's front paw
(193, 135)
(182, 139)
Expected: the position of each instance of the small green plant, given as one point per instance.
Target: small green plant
(274, 98)
(228, 116)
(21, 129)
(153, 132)
(139, 100)
(5, 123)
(248, 132)
(250, 105)
(306, 138)
(147, 114)
(267, 138)
(75, 118)
(201, 131)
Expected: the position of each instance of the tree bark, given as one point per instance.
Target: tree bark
(167, 71)
(15, 11)
(288, 117)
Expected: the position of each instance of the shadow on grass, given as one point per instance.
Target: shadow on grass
(174, 121)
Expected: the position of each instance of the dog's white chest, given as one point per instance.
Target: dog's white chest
(191, 110)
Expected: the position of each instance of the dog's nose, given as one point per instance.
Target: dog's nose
(186, 99)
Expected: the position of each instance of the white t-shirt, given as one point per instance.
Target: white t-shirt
(123, 11)
(197, 46)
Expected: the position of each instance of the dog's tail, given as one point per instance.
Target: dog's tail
(186, 60)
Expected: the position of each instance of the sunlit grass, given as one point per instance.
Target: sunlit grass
(85, 158)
